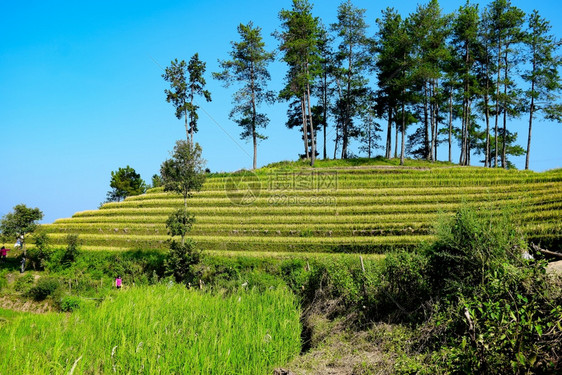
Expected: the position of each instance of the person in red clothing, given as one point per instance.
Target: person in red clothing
(3, 253)
(118, 282)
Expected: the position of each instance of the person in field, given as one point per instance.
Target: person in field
(3, 253)
(22, 269)
(118, 282)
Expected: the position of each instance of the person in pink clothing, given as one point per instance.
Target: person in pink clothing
(118, 282)
(3, 253)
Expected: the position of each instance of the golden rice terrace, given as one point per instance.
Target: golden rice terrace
(367, 209)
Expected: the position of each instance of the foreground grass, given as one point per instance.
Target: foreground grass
(158, 329)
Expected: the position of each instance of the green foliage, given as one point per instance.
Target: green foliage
(184, 172)
(468, 247)
(45, 287)
(186, 81)
(405, 286)
(24, 283)
(248, 67)
(157, 181)
(352, 59)
(181, 260)
(70, 303)
(20, 222)
(125, 182)
(39, 255)
(72, 249)
(179, 223)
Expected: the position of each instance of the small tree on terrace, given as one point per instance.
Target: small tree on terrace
(183, 174)
(125, 182)
(185, 171)
(19, 223)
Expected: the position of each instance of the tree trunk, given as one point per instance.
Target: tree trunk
(497, 104)
(191, 117)
(450, 124)
(347, 117)
(504, 161)
(463, 127)
(432, 119)
(403, 146)
(436, 123)
(312, 135)
(368, 142)
(487, 162)
(468, 124)
(325, 111)
(389, 135)
(186, 126)
(254, 115)
(336, 141)
(427, 155)
(395, 139)
(304, 131)
(531, 111)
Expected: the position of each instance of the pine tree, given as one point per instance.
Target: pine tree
(196, 86)
(389, 66)
(352, 61)
(248, 67)
(506, 21)
(429, 30)
(299, 44)
(543, 75)
(186, 81)
(466, 48)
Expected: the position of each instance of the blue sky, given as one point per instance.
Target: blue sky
(81, 93)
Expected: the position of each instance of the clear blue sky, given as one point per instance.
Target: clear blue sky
(81, 92)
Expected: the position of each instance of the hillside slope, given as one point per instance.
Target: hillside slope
(366, 209)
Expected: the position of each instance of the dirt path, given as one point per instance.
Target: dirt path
(13, 303)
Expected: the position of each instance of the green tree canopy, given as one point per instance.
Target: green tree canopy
(125, 182)
(22, 221)
(248, 67)
(185, 171)
(300, 46)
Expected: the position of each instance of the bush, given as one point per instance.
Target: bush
(404, 288)
(40, 255)
(493, 309)
(72, 250)
(181, 259)
(468, 247)
(70, 303)
(46, 286)
(24, 283)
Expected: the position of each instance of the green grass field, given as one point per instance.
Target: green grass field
(162, 329)
(355, 206)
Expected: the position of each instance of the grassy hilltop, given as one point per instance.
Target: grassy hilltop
(362, 206)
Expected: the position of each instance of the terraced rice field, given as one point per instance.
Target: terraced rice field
(325, 210)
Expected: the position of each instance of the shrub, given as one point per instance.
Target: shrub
(72, 250)
(468, 247)
(24, 283)
(181, 259)
(41, 253)
(70, 303)
(405, 286)
(46, 286)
